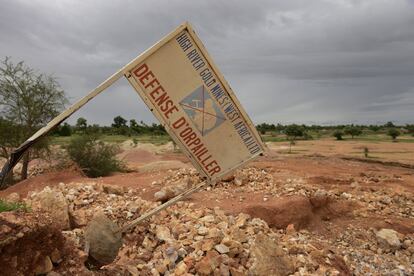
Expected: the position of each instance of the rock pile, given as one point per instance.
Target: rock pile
(181, 240)
(189, 240)
(364, 250)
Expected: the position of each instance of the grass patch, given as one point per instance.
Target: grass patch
(384, 152)
(268, 138)
(12, 206)
(382, 138)
(163, 139)
(117, 139)
(156, 140)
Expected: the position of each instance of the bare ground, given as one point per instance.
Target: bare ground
(365, 195)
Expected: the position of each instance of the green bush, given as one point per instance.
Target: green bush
(338, 135)
(410, 129)
(394, 133)
(366, 152)
(65, 130)
(12, 206)
(93, 156)
(353, 131)
(294, 131)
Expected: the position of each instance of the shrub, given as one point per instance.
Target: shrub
(65, 130)
(410, 129)
(294, 131)
(353, 131)
(307, 136)
(338, 135)
(366, 152)
(93, 156)
(394, 133)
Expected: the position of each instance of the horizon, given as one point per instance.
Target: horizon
(74, 118)
(320, 62)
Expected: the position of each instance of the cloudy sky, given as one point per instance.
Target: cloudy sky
(325, 61)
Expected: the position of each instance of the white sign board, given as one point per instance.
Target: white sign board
(179, 82)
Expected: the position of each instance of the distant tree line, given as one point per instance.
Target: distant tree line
(305, 132)
(120, 126)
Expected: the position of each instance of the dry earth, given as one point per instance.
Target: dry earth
(378, 150)
(284, 214)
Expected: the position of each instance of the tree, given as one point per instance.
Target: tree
(374, 128)
(119, 122)
(93, 129)
(28, 100)
(293, 132)
(120, 126)
(338, 135)
(410, 129)
(353, 131)
(135, 127)
(389, 124)
(65, 130)
(157, 129)
(394, 133)
(81, 124)
(265, 127)
(10, 137)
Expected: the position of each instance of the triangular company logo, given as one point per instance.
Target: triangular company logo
(202, 110)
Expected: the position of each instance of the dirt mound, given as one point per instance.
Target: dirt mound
(163, 165)
(301, 211)
(39, 182)
(156, 149)
(139, 156)
(29, 244)
(149, 157)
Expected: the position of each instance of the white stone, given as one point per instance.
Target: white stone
(221, 248)
(388, 238)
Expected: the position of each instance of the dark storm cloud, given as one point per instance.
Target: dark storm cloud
(288, 61)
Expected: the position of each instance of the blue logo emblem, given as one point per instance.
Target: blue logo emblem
(202, 110)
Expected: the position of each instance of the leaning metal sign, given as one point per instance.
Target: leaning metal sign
(179, 82)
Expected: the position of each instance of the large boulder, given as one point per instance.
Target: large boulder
(172, 190)
(13, 197)
(78, 218)
(113, 189)
(54, 203)
(388, 239)
(103, 239)
(208, 263)
(269, 258)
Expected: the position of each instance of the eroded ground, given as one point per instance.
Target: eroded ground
(315, 214)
